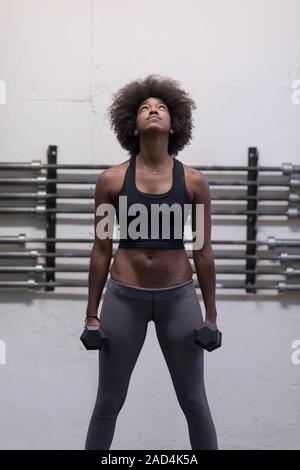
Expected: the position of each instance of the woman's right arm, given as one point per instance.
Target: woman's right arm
(101, 252)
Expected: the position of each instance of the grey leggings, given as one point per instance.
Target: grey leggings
(125, 313)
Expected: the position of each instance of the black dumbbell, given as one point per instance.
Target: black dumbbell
(93, 336)
(208, 337)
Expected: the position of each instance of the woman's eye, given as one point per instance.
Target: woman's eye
(144, 107)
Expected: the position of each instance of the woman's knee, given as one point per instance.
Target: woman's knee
(194, 403)
(107, 405)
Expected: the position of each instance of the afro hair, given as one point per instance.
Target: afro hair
(122, 112)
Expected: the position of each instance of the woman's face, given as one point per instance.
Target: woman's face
(153, 115)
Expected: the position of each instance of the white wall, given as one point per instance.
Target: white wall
(61, 61)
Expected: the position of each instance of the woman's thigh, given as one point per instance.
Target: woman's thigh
(124, 320)
(175, 322)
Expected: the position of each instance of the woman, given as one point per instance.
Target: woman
(151, 279)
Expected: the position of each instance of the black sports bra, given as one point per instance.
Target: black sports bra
(159, 222)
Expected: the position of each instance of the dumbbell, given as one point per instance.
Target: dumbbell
(93, 336)
(208, 337)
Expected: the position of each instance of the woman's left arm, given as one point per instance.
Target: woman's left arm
(202, 250)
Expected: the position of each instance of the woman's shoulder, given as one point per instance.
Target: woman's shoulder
(193, 173)
(114, 177)
(194, 178)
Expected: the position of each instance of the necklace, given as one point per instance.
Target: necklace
(154, 171)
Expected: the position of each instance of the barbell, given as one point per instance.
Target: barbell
(286, 168)
(32, 284)
(271, 242)
(290, 212)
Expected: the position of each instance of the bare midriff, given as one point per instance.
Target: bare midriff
(151, 268)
